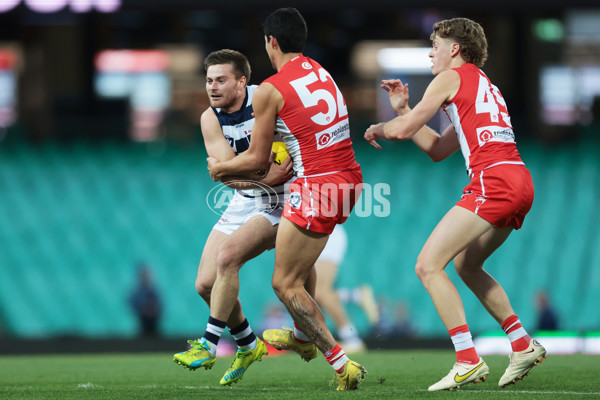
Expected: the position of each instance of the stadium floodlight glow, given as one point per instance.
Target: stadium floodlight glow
(50, 6)
(46, 6)
(7, 5)
(106, 6)
(414, 60)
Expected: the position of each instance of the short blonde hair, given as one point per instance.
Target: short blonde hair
(468, 34)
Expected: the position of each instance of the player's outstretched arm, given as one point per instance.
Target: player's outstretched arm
(410, 122)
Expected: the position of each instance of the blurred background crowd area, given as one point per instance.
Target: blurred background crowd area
(118, 68)
(103, 182)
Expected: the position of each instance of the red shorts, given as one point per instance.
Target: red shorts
(502, 195)
(320, 203)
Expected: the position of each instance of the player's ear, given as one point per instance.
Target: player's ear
(455, 49)
(273, 42)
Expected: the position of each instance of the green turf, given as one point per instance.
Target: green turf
(392, 375)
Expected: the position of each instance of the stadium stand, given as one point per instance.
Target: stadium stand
(77, 218)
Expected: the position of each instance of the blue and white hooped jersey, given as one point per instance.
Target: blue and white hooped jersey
(237, 126)
(237, 129)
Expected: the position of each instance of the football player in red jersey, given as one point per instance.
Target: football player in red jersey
(303, 103)
(493, 204)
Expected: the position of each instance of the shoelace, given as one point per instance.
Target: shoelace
(240, 355)
(333, 381)
(336, 380)
(196, 344)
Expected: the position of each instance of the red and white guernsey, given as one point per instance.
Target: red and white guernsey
(479, 115)
(313, 123)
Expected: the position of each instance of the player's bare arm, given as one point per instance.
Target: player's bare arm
(218, 148)
(266, 102)
(437, 147)
(214, 140)
(404, 127)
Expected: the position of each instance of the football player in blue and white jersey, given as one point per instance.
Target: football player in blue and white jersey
(248, 226)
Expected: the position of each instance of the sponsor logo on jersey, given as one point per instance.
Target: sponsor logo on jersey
(311, 212)
(333, 135)
(495, 134)
(324, 139)
(306, 65)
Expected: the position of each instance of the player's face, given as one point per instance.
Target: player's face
(441, 55)
(224, 90)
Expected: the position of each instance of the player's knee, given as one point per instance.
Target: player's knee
(281, 288)
(227, 258)
(204, 289)
(422, 270)
(429, 266)
(277, 287)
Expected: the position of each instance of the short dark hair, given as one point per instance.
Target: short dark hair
(289, 28)
(468, 34)
(241, 66)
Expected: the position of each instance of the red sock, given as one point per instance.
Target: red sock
(463, 344)
(519, 339)
(299, 335)
(337, 358)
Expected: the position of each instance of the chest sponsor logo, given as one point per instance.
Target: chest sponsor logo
(495, 134)
(333, 135)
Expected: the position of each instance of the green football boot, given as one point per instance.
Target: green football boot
(243, 360)
(196, 357)
(283, 339)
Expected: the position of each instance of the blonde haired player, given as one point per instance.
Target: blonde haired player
(493, 204)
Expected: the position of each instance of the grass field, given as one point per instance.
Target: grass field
(392, 375)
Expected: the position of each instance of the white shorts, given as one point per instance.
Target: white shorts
(242, 208)
(335, 249)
